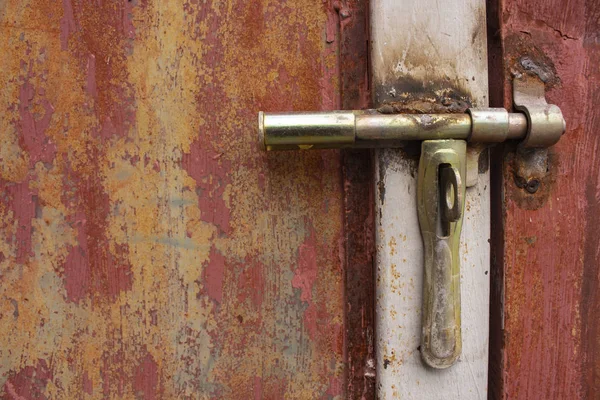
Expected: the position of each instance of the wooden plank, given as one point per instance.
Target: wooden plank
(546, 344)
(147, 248)
(426, 54)
(358, 200)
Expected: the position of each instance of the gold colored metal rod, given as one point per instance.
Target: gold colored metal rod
(305, 130)
(517, 125)
(369, 128)
(375, 126)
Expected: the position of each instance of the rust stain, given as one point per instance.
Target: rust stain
(522, 54)
(526, 57)
(432, 97)
(534, 174)
(146, 248)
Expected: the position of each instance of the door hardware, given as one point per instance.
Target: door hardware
(440, 205)
(371, 129)
(441, 180)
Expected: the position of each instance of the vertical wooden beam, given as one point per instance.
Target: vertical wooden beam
(546, 344)
(358, 216)
(427, 56)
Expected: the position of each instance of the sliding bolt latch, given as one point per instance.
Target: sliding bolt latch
(441, 183)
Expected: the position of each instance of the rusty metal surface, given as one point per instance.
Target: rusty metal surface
(147, 249)
(546, 269)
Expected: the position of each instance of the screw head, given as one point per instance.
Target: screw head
(532, 186)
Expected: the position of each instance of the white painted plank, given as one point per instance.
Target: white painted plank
(439, 45)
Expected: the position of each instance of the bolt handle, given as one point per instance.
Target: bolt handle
(440, 202)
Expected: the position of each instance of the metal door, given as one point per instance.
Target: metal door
(147, 249)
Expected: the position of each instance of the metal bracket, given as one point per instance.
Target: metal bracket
(442, 181)
(545, 122)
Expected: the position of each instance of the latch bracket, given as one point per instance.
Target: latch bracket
(545, 122)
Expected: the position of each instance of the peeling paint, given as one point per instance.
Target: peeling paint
(545, 341)
(149, 246)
